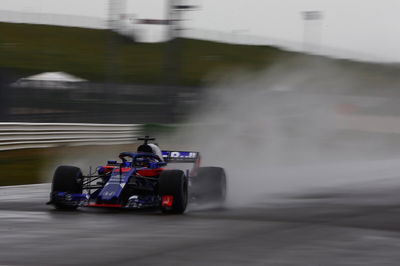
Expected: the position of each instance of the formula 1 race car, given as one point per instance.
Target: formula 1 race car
(140, 180)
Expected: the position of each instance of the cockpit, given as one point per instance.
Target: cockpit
(139, 160)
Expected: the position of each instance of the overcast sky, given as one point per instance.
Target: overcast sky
(366, 27)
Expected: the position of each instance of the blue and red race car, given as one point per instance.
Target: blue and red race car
(140, 180)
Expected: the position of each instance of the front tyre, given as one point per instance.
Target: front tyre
(67, 180)
(173, 183)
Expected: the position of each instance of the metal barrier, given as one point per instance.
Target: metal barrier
(42, 135)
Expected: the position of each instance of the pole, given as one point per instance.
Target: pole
(312, 32)
(172, 52)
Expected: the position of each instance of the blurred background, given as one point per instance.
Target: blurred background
(299, 83)
(298, 100)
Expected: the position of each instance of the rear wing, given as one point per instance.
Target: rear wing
(181, 156)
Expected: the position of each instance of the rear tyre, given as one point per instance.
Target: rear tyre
(210, 184)
(67, 179)
(174, 183)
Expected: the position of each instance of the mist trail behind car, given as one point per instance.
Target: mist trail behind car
(280, 131)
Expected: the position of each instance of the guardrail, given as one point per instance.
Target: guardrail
(42, 135)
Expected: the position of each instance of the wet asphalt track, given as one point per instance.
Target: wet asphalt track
(356, 225)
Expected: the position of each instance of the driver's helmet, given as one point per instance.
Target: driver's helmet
(151, 148)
